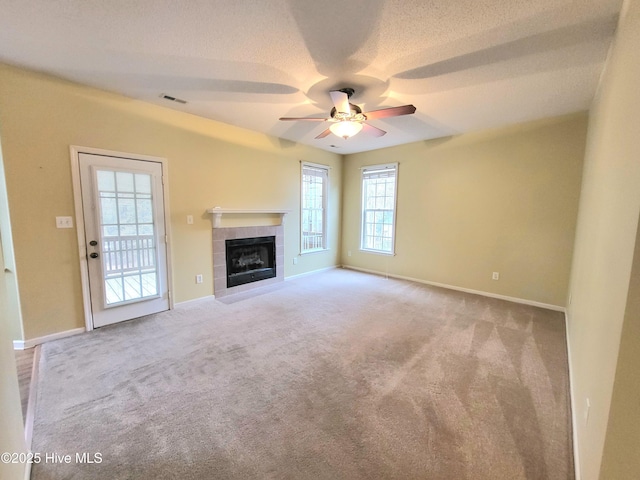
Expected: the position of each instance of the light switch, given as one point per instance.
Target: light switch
(189, 219)
(64, 222)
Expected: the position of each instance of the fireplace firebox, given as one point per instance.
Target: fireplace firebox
(250, 260)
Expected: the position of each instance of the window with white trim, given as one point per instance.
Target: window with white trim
(313, 228)
(379, 188)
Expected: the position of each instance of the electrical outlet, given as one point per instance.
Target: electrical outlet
(495, 276)
(64, 222)
(198, 278)
(189, 219)
(349, 253)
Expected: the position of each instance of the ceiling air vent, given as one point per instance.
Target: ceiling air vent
(173, 99)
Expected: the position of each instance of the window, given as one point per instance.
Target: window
(379, 184)
(315, 182)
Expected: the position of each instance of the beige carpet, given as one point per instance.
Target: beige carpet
(338, 375)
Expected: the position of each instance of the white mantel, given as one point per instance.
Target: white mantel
(218, 212)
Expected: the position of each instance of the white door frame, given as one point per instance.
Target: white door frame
(75, 152)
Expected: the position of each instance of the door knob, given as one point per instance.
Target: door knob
(93, 255)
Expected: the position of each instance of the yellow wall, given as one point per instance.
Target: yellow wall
(604, 248)
(210, 164)
(620, 458)
(497, 201)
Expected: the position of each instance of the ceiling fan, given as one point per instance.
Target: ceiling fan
(347, 119)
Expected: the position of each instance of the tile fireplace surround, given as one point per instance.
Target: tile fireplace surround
(219, 257)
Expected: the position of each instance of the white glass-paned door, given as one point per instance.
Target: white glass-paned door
(123, 203)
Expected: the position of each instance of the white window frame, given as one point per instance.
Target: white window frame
(366, 173)
(322, 171)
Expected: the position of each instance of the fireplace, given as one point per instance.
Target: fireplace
(220, 237)
(250, 259)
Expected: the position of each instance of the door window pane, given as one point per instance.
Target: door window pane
(124, 181)
(143, 183)
(129, 257)
(106, 181)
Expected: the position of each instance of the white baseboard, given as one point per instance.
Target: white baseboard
(194, 300)
(524, 301)
(31, 404)
(572, 398)
(27, 470)
(32, 342)
(312, 272)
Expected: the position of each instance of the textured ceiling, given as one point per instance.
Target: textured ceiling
(465, 64)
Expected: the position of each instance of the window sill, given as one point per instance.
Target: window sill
(310, 252)
(379, 252)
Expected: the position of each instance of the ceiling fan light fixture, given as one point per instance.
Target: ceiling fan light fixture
(347, 119)
(345, 128)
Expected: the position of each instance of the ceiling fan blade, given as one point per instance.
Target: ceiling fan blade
(390, 112)
(340, 101)
(287, 119)
(324, 134)
(375, 131)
